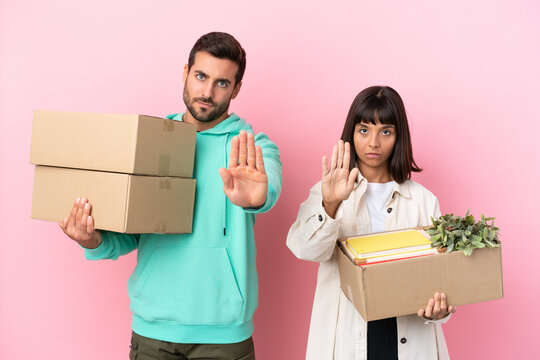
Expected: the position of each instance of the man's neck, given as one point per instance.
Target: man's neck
(202, 125)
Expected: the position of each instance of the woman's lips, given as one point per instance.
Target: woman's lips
(373, 155)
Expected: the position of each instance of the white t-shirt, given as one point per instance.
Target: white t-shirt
(377, 196)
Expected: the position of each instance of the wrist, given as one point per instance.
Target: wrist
(331, 207)
(92, 243)
(258, 204)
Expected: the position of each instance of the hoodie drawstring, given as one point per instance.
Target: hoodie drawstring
(225, 196)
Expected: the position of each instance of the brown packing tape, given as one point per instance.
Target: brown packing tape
(168, 125)
(164, 164)
(160, 228)
(165, 183)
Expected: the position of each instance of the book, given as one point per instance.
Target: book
(388, 243)
(409, 255)
(376, 260)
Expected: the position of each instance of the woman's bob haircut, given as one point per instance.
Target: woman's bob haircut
(383, 105)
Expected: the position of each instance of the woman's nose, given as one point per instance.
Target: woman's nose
(373, 141)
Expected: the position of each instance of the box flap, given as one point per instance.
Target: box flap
(173, 155)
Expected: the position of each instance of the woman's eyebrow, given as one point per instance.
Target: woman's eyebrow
(384, 126)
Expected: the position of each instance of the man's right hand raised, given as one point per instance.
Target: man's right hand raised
(79, 225)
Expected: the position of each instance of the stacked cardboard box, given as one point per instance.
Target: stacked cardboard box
(135, 170)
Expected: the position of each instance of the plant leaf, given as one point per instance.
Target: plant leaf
(436, 237)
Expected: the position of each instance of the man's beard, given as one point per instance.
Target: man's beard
(205, 115)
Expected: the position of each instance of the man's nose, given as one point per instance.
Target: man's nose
(208, 90)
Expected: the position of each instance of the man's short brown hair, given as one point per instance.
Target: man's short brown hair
(222, 46)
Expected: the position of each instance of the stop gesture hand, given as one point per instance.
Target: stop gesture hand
(337, 181)
(245, 181)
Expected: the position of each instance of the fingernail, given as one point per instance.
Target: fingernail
(86, 206)
(78, 199)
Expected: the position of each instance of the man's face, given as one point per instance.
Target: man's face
(209, 87)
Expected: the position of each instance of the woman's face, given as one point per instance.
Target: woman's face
(374, 145)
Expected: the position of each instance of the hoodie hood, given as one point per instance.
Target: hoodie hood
(231, 125)
(220, 136)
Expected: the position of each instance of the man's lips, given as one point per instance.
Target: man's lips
(204, 104)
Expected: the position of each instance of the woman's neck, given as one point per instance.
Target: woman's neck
(376, 175)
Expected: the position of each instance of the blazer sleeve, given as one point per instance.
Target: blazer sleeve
(436, 209)
(314, 233)
(428, 205)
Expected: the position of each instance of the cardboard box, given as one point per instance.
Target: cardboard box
(120, 202)
(402, 287)
(132, 144)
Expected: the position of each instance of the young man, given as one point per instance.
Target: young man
(194, 295)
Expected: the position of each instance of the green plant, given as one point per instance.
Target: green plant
(463, 233)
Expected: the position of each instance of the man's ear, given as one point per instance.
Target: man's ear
(236, 90)
(186, 71)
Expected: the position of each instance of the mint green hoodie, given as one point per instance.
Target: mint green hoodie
(200, 287)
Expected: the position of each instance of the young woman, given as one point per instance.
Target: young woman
(366, 189)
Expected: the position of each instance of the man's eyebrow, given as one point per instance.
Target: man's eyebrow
(224, 80)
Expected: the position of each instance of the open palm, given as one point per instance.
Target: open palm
(337, 180)
(245, 181)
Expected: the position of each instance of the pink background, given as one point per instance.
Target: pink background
(467, 71)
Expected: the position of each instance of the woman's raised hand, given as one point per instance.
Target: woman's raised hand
(337, 181)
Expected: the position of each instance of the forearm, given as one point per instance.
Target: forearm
(313, 235)
(113, 245)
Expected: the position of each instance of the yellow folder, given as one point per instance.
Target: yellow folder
(388, 243)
